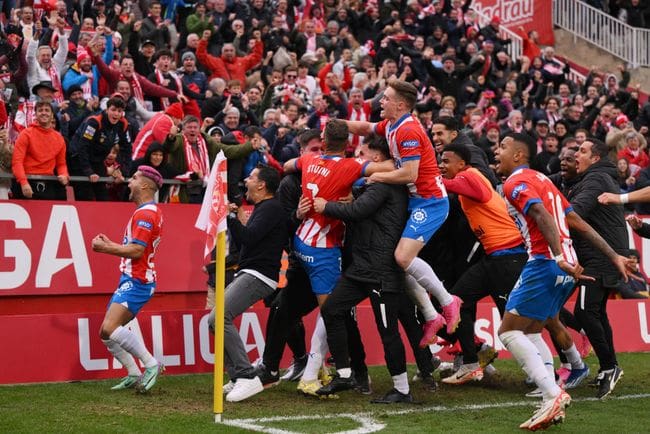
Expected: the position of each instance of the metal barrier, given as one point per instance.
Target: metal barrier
(515, 48)
(599, 28)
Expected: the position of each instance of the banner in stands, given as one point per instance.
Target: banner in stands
(67, 347)
(531, 14)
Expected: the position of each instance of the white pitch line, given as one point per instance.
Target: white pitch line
(370, 425)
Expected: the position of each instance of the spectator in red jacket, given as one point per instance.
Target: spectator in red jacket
(229, 66)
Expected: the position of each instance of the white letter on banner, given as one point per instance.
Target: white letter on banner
(49, 264)
(157, 338)
(643, 323)
(249, 320)
(84, 349)
(482, 330)
(16, 248)
(204, 340)
(188, 339)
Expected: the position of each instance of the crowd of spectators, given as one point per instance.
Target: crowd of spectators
(636, 13)
(171, 84)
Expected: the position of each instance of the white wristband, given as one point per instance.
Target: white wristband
(625, 198)
(558, 258)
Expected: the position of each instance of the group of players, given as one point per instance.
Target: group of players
(529, 261)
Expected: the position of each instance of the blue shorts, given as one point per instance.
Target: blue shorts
(323, 265)
(427, 215)
(541, 290)
(132, 294)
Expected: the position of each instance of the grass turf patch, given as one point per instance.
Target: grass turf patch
(183, 403)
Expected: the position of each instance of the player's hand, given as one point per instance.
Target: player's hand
(99, 242)
(304, 206)
(319, 204)
(609, 199)
(625, 266)
(634, 222)
(27, 190)
(574, 270)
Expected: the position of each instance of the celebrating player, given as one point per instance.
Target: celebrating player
(137, 282)
(415, 166)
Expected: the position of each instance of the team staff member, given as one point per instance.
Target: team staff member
(137, 283)
(261, 238)
(372, 272)
(93, 142)
(596, 175)
(505, 254)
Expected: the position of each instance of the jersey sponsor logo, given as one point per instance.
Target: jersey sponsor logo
(89, 133)
(144, 224)
(410, 144)
(419, 215)
(518, 189)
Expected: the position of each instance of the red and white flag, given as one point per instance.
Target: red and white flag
(212, 217)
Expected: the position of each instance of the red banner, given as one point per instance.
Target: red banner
(45, 247)
(531, 14)
(181, 341)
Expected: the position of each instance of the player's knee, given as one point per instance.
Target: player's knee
(402, 259)
(105, 331)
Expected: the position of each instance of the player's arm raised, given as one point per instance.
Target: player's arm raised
(576, 223)
(360, 128)
(642, 195)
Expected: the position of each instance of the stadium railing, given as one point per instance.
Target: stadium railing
(103, 179)
(601, 29)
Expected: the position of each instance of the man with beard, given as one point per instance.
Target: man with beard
(163, 76)
(137, 281)
(83, 74)
(191, 154)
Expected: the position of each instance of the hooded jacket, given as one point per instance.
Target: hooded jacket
(608, 221)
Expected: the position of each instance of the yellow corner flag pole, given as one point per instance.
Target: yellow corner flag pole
(219, 286)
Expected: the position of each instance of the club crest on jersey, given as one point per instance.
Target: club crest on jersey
(419, 215)
(410, 144)
(125, 287)
(518, 189)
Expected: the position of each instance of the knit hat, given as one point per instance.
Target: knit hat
(491, 126)
(175, 110)
(82, 54)
(621, 120)
(188, 55)
(151, 173)
(495, 20)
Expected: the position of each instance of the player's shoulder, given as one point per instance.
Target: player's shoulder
(149, 210)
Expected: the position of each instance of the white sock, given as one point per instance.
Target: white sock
(401, 383)
(526, 353)
(544, 351)
(573, 357)
(423, 273)
(420, 297)
(344, 372)
(130, 342)
(123, 357)
(318, 350)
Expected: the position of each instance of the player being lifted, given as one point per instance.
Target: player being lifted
(415, 166)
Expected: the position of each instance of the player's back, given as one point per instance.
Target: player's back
(145, 229)
(524, 188)
(329, 178)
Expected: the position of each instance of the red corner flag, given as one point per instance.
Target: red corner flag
(212, 217)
